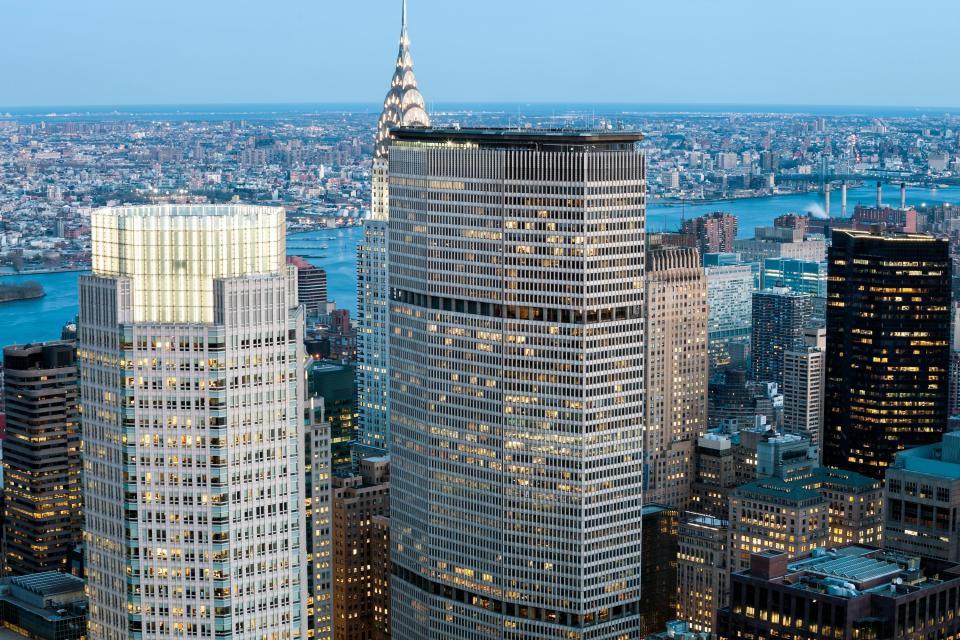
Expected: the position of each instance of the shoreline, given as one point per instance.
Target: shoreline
(34, 272)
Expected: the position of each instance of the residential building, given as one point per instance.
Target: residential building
(711, 233)
(922, 495)
(381, 569)
(888, 344)
(318, 513)
(357, 499)
(780, 317)
(42, 519)
(676, 371)
(496, 340)
(402, 106)
(803, 381)
(192, 396)
(311, 285)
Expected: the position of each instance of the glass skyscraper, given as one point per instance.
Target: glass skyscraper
(888, 347)
(516, 349)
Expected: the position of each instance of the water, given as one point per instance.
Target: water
(42, 319)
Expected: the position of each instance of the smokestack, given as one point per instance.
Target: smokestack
(879, 194)
(843, 199)
(826, 195)
(903, 195)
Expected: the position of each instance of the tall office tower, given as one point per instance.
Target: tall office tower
(516, 351)
(923, 500)
(190, 343)
(715, 475)
(381, 570)
(888, 347)
(357, 499)
(729, 308)
(803, 380)
(804, 276)
(780, 317)
(712, 233)
(702, 573)
(402, 107)
(675, 375)
(953, 400)
(318, 514)
(311, 285)
(659, 571)
(41, 458)
(334, 383)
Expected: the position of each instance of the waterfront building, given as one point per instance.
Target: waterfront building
(658, 568)
(334, 383)
(41, 458)
(730, 287)
(888, 343)
(780, 317)
(357, 499)
(702, 573)
(848, 593)
(781, 242)
(516, 353)
(922, 496)
(43, 606)
(403, 106)
(190, 348)
(711, 233)
(311, 286)
(675, 381)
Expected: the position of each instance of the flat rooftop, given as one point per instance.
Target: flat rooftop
(497, 137)
(49, 583)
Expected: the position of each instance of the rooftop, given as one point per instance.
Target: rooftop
(496, 137)
(940, 460)
(48, 583)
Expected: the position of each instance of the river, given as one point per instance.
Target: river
(43, 318)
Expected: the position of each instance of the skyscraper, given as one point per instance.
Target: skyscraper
(803, 381)
(888, 347)
(780, 317)
(402, 107)
(311, 286)
(729, 307)
(41, 458)
(190, 346)
(516, 351)
(675, 373)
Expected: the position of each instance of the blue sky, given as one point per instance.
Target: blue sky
(841, 52)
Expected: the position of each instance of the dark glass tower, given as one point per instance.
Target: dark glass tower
(888, 347)
(41, 458)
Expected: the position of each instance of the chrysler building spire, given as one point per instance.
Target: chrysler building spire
(403, 106)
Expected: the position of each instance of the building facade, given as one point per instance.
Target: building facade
(516, 350)
(780, 317)
(190, 348)
(676, 372)
(711, 233)
(402, 106)
(357, 499)
(803, 380)
(730, 309)
(318, 513)
(41, 458)
(659, 568)
(922, 494)
(702, 572)
(888, 347)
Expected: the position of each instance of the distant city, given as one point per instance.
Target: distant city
(521, 371)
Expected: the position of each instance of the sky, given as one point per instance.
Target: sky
(809, 52)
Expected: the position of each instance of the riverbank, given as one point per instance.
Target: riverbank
(31, 272)
(29, 290)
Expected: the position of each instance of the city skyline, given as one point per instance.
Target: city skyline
(725, 51)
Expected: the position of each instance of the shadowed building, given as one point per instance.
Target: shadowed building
(888, 347)
(41, 458)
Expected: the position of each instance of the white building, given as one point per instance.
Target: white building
(190, 344)
(403, 106)
(516, 398)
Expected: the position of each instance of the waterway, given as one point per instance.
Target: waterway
(335, 251)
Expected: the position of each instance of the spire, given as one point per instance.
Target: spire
(403, 105)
